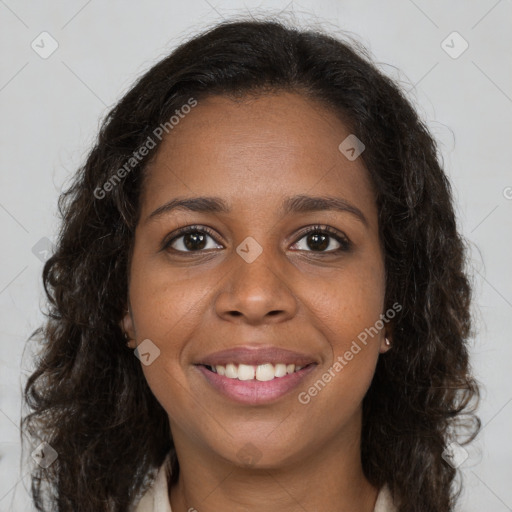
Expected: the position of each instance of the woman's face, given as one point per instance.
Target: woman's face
(257, 279)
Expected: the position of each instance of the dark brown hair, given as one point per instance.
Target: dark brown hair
(88, 395)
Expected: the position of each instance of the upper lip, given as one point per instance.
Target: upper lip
(256, 356)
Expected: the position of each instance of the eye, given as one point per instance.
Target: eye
(194, 239)
(321, 237)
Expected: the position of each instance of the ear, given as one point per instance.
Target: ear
(126, 325)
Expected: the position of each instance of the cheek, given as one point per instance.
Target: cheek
(347, 303)
(164, 299)
(354, 342)
(348, 310)
(165, 310)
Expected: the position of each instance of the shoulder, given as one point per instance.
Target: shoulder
(156, 498)
(384, 501)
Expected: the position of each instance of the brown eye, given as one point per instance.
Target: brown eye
(190, 239)
(324, 239)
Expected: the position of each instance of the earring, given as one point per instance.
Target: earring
(387, 342)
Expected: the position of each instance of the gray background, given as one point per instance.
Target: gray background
(51, 108)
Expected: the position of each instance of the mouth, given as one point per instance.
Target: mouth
(254, 385)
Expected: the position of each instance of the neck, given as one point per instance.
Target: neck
(324, 477)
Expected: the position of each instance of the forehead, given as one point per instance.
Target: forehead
(257, 150)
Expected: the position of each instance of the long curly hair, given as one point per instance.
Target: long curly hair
(88, 396)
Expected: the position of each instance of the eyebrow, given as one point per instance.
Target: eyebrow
(295, 204)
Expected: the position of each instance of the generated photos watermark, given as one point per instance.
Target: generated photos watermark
(143, 150)
(304, 397)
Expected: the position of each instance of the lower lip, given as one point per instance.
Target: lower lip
(254, 392)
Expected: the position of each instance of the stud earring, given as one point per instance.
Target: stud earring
(387, 342)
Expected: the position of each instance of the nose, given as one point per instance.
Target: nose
(255, 293)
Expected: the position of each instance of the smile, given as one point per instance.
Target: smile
(254, 385)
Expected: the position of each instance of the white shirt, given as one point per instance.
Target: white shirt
(156, 498)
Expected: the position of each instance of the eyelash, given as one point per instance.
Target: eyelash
(345, 244)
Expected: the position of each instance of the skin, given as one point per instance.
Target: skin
(254, 154)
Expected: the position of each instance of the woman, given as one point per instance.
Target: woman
(258, 300)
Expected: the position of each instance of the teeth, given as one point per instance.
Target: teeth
(246, 372)
(262, 372)
(231, 371)
(280, 370)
